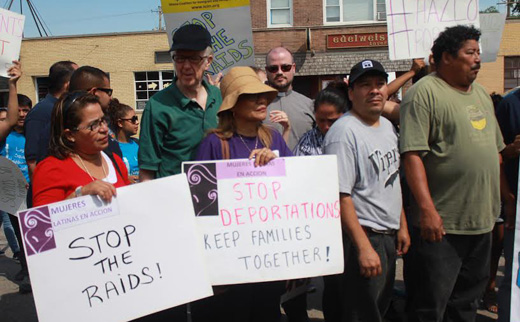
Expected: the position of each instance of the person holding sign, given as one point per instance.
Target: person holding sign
(11, 118)
(450, 144)
(241, 134)
(375, 229)
(76, 165)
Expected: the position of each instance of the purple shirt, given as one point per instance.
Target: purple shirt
(240, 147)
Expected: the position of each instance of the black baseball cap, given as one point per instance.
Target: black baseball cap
(364, 67)
(191, 37)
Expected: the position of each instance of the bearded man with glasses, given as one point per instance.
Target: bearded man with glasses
(289, 107)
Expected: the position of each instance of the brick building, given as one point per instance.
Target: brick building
(326, 37)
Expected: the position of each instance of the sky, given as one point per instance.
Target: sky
(74, 17)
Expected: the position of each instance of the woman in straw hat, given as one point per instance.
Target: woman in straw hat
(241, 134)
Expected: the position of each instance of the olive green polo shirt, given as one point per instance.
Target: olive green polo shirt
(459, 140)
(172, 127)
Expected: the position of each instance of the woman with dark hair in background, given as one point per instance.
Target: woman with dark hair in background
(76, 165)
(125, 124)
(329, 105)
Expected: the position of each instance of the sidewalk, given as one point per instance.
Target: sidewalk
(16, 307)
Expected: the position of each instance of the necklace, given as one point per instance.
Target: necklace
(256, 143)
(88, 172)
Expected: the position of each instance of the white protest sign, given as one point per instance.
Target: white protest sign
(228, 21)
(515, 278)
(139, 254)
(277, 222)
(491, 26)
(11, 33)
(413, 25)
(13, 189)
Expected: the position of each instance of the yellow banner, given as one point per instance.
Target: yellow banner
(176, 6)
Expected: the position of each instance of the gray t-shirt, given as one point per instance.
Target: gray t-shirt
(368, 166)
(299, 111)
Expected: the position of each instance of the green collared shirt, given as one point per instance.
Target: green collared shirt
(172, 127)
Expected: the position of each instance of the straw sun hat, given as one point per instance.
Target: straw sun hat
(242, 80)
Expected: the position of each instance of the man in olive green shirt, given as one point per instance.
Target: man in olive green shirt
(450, 144)
(176, 119)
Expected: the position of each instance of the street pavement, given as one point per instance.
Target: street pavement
(16, 307)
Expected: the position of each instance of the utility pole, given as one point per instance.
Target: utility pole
(160, 13)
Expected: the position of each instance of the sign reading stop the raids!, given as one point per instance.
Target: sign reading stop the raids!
(413, 25)
(139, 254)
(276, 222)
(13, 189)
(228, 22)
(11, 34)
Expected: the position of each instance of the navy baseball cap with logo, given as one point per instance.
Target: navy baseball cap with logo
(191, 37)
(364, 67)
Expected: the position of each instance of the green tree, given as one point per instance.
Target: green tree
(491, 9)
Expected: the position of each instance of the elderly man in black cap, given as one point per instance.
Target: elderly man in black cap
(372, 216)
(176, 118)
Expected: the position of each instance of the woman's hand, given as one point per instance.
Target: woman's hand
(102, 189)
(262, 156)
(133, 179)
(281, 118)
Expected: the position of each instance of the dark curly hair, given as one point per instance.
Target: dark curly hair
(452, 39)
(117, 111)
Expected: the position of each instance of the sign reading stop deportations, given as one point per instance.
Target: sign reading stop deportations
(276, 222)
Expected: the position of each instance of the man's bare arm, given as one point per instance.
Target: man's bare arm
(399, 82)
(369, 261)
(431, 225)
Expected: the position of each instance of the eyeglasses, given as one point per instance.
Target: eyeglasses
(196, 59)
(134, 119)
(94, 126)
(274, 68)
(108, 91)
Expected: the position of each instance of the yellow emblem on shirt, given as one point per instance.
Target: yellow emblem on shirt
(476, 117)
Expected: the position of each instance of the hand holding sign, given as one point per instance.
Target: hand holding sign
(11, 33)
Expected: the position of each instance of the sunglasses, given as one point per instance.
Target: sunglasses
(274, 68)
(108, 91)
(134, 119)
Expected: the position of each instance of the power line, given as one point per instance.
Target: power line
(107, 16)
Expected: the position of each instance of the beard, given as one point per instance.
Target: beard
(281, 87)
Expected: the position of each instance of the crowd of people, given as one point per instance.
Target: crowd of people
(439, 208)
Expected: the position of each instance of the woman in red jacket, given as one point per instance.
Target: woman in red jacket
(77, 165)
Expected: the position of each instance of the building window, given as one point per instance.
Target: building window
(149, 83)
(163, 57)
(354, 10)
(279, 13)
(511, 72)
(42, 87)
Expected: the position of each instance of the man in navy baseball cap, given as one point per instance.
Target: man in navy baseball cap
(191, 37)
(364, 67)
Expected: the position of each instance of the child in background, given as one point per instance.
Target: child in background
(125, 124)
